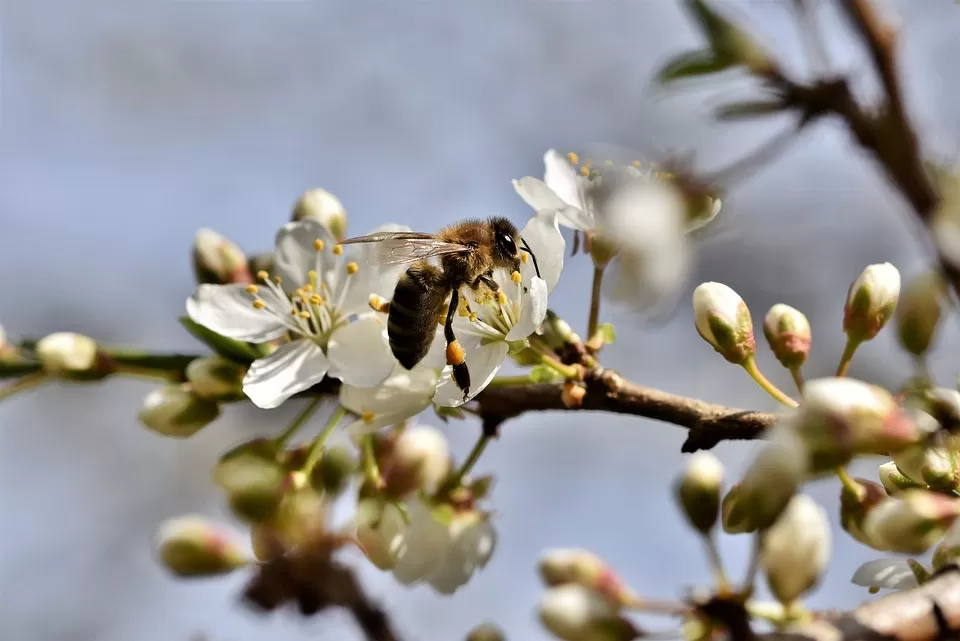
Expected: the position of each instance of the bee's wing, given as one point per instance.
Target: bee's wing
(397, 248)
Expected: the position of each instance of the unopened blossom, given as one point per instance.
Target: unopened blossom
(796, 549)
(176, 410)
(723, 320)
(215, 377)
(67, 353)
(787, 332)
(856, 504)
(404, 394)
(935, 465)
(911, 522)
(191, 546)
(842, 417)
(218, 260)
(321, 299)
(698, 490)
(561, 566)
(380, 531)
(416, 459)
(919, 310)
(574, 613)
(735, 514)
(490, 323)
(871, 301)
(893, 480)
(772, 479)
(325, 208)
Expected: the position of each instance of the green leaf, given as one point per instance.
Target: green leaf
(749, 109)
(691, 64)
(545, 374)
(712, 23)
(237, 351)
(607, 332)
(480, 487)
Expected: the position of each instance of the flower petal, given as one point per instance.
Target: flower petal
(402, 395)
(372, 277)
(563, 179)
(292, 368)
(228, 310)
(425, 545)
(536, 194)
(533, 311)
(359, 352)
(296, 254)
(482, 362)
(548, 246)
(470, 550)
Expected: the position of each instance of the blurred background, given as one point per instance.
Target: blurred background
(125, 126)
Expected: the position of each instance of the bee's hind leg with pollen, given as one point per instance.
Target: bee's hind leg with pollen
(456, 357)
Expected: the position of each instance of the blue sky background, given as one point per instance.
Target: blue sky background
(125, 126)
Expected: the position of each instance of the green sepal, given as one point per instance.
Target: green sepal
(237, 351)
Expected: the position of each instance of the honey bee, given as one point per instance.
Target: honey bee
(462, 254)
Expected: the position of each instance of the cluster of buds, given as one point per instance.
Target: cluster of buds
(584, 598)
(909, 523)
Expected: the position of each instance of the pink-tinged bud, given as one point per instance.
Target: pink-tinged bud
(854, 507)
(894, 481)
(796, 549)
(788, 332)
(723, 320)
(911, 522)
(218, 260)
(574, 613)
(416, 459)
(871, 301)
(66, 353)
(583, 568)
(216, 378)
(935, 466)
(698, 491)
(735, 514)
(842, 417)
(919, 310)
(191, 546)
(772, 479)
(486, 632)
(325, 208)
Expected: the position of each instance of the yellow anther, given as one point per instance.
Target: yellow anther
(316, 300)
(262, 275)
(367, 416)
(277, 280)
(352, 267)
(304, 314)
(516, 278)
(338, 249)
(524, 257)
(304, 298)
(584, 171)
(252, 290)
(573, 158)
(259, 304)
(473, 317)
(377, 304)
(294, 311)
(318, 244)
(501, 298)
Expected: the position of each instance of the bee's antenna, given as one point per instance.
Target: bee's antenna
(527, 249)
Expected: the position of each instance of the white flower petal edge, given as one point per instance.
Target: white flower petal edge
(424, 545)
(542, 234)
(483, 361)
(359, 352)
(292, 368)
(471, 548)
(532, 313)
(564, 179)
(295, 254)
(403, 395)
(542, 199)
(227, 310)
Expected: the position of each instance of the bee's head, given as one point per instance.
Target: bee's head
(506, 250)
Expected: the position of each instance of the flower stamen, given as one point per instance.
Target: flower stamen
(337, 249)
(318, 244)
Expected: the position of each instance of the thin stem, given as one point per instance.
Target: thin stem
(370, 470)
(298, 422)
(23, 384)
(750, 365)
(148, 373)
(848, 351)
(316, 448)
(472, 459)
(849, 483)
(595, 301)
(754, 567)
(797, 378)
(567, 371)
(663, 608)
(509, 381)
(713, 554)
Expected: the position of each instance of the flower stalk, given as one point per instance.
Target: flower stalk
(594, 318)
(750, 366)
(299, 421)
(848, 351)
(316, 447)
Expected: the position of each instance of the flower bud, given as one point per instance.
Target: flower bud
(254, 485)
(486, 632)
(911, 522)
(935, 466)
(734, 514)
(842, 417)
(871, 301)
(301, 517)
(788, 332)
(796, 549)
(417, 459)
(723, 320)
(772, 479)
(191, 546)
(574, 613)
(66, 353)
(854, 507)
(698, 491)
(584, 568)
(919, 310)
(572, 394)
(380, 530)
(943, 404)
(944, 554)
(556, 332)
(894, 481)
(174, 410)
(218, 260)
(325, 208)
(332, 473)
(216, 378)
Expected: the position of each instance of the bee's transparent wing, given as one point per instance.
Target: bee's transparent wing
(397, 248)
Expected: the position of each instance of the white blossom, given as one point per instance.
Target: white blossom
(404, 394)
(320, 298)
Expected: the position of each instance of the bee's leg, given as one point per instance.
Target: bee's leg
(455, 354)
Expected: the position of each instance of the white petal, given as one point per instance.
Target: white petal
(425, 546)
(296, 253)
(543, 199)
(483, 363)
(471, 550)
(371, 277)
(403, 395)
(563, 179)
(228, 310)
(533, 311)
(292, 368)
(359, 352)
(652, 284)
(546, 242)
(892, 573)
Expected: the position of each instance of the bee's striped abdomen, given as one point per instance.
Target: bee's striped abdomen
(414, 313)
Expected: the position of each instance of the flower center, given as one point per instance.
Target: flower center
(498, 311)
(312, 310)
